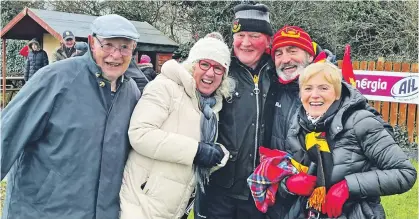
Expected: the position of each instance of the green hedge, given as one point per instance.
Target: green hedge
(15, 62)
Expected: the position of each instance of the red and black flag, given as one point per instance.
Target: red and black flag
(347, 70)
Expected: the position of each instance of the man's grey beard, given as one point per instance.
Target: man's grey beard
(292, 76)
(295, 74)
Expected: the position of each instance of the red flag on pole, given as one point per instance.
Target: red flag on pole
(24, 51)
(347, 70)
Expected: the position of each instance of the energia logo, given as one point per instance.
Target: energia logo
(406, 88)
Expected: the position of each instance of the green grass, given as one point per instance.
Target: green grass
(7, 97)
(2, 195)
(404, 205)
(396, 206)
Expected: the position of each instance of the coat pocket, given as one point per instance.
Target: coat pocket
(166, 194)
(133, 182)
(224, 177)
(47, 188)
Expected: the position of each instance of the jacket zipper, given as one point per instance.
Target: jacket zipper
(256, 91)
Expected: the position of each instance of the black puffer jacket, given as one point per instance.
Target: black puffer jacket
(241, 126)
(282, 103)
(281, 106)
(364, 154)
(147, 69)
(35, 60)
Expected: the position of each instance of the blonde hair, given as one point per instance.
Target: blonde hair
(226, 87)
(331, 73)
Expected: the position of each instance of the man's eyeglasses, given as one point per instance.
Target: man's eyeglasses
(109, 48)
(218, 69)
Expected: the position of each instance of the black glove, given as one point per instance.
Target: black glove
(208, 155)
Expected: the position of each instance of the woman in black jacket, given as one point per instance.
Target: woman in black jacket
(37, 59)
(352, 159)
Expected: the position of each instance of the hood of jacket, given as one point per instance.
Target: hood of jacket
(350, 100)
(177, 73)
(33, 41)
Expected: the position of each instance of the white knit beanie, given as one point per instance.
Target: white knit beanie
(210, 47)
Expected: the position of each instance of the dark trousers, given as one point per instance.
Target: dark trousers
(221, 206)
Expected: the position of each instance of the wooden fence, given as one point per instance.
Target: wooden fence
(401, 114)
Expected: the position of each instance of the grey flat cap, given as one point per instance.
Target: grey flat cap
(114, 26)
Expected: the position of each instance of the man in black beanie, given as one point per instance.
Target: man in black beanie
(240, 125)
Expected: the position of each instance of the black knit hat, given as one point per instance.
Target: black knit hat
(254, 18)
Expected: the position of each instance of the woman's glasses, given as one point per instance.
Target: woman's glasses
(218, 69)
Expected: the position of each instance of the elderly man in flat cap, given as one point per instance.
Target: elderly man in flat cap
(64, 136)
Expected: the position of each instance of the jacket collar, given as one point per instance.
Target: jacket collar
(292, 86)
(91, 64)
(145, 65)
(265, 58)
(350, 98)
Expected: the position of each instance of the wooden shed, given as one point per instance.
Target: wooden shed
(48, 26)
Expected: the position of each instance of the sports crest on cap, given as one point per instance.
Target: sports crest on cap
(253, 18)
(236, 26)
(290, 32)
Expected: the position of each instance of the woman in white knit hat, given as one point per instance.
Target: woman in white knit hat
(173, 131)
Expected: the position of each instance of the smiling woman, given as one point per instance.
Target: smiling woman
(357, 160)
(173, 133)
(208, 75)
(320, 86)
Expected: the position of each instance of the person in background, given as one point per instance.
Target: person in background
(173, 133)
(37, 58)
(81, 49)
(137, 75)
(67, 47)
(356, 158)
(147, 67)
(177, 56)
(64, 135)
(241, 125)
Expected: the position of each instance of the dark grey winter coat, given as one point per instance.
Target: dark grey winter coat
(68, 139)
(364, 154)
(35, 61)
(137, 75)
(147, 69)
